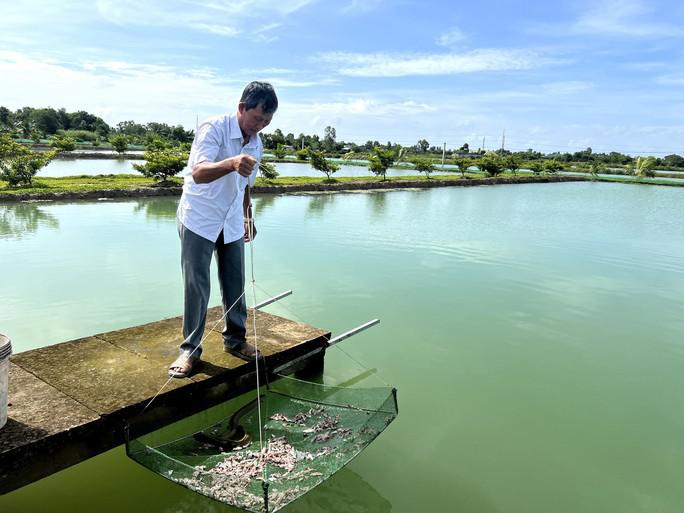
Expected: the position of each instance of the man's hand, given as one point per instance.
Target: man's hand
(243, 164)
(250, 229)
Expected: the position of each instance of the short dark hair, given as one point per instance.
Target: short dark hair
(260, 93)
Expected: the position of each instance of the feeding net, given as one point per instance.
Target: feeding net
(309, 432)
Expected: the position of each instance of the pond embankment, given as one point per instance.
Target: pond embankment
(275, 188)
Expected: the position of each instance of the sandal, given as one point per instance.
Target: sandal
(243, 350)
(183, 366)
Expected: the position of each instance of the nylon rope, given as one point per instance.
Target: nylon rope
(264, 473)
(189, 355)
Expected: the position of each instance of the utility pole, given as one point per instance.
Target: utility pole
(443, 153)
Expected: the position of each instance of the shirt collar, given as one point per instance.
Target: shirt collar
(236, 133)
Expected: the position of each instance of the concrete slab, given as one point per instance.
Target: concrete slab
(74, 400)
(41, 421)
(38, 410)
(97, 374)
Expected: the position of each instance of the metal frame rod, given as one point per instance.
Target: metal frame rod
(282, 367)
(349, 333)
(331, 342)
(272, 300)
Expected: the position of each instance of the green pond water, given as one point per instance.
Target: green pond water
(535, 334)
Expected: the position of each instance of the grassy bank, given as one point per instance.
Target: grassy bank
(73, 186)
(81, 184)
(125, 182)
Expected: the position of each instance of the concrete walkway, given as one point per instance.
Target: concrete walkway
(72, 401)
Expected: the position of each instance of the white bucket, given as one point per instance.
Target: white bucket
(5, 352)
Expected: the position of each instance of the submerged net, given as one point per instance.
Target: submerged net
(310, 431)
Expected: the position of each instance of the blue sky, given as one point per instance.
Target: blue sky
(554, 75)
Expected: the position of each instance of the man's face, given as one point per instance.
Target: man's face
(254, 120)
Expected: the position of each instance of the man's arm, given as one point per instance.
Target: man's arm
(206, 171)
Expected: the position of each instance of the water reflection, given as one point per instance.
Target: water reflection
(377, 202)
(319, 202)
(344, 492)
(156, 208)
(24, 218)
(264, 202)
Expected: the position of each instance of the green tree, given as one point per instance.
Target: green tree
(645, 167)
(553, 166)
(595, 168)
(5, 118)
(673, 161)
(135, 131)
(422, 145)
(62, 143)
(380, 160)
(155, 142)
(329, 139)
(83, 120)
(277, 137)
(491, 164)
(512, 164)
(119, 142)
(268, 171)
(79, 135)
(536, 167)
(279, 151)
(319, 163)
(463, 164)
(161, 164)
(424, 165)
(302, 154)
(46, 121)
(18, 164)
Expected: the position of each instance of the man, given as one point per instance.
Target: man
(214, 216)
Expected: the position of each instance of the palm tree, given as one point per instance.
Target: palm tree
(645, 167)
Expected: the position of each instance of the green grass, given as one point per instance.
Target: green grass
(81, 184)
(302, 180)
(85, 183)
(639, 181)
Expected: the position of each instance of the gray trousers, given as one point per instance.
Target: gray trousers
(196, 255)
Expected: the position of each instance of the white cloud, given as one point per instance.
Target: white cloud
(118, 90)
(279, 82)
(396, 65)
(613, 18)
(219, 30)
(364, 106)
(566, 88)
(268, 71)
(623, 18)
(451, 38)
(357, 117)
(646, 66)
(267, 28)
(672, 80)
(223, 17)
(361, 6)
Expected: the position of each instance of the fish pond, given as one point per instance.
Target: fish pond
(534, 332)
